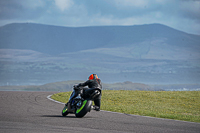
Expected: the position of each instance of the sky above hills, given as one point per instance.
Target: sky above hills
(179, 14)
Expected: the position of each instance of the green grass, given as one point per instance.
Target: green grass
(178, 105)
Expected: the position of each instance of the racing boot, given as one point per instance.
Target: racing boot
(96, 108)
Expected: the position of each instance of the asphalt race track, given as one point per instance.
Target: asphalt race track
(29, 112)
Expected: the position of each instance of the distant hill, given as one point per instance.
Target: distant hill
(64, 86)
(153, 53)
(54, 40)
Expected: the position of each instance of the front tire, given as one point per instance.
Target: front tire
(86, 107)
(65, 111)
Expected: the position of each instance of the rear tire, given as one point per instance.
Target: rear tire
(82, 111)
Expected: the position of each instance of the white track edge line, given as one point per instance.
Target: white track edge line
(49, 97)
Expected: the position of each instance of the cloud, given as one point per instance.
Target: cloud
(17, 9)
(190, 9)
(131, 3)
(64, 4)
(179, 14)
(32, 4)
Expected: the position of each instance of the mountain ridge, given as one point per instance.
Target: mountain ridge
(55, 40)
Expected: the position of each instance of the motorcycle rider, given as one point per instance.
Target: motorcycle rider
(92, 82)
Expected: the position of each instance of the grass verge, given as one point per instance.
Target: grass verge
(178, 105)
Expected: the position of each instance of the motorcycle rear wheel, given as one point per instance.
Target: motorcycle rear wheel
(86, 107)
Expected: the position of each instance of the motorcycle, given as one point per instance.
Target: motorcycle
(80, 101)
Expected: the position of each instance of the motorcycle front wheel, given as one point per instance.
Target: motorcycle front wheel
(65, 111)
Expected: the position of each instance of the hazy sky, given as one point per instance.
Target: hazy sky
(183, 15)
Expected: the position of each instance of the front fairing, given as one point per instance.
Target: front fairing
(72, 94)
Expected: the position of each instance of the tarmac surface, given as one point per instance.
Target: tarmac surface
(30, 112)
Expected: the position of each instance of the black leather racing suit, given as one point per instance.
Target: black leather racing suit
(94, 83)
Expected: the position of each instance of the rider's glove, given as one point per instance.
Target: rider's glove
(76, 87)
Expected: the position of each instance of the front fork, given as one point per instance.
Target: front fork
(74, 103)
